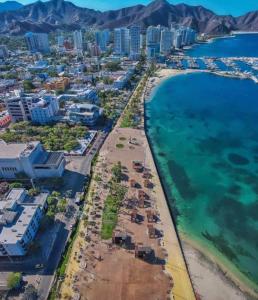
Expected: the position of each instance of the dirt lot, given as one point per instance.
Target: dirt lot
(112, 272)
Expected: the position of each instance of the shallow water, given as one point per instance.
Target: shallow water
(204, 134)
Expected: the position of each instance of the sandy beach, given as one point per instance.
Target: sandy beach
(211, 279)
(163, 276)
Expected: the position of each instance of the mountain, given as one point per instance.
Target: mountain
(60, 14)
(10, 6)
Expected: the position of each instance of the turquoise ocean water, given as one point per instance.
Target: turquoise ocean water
(203, 130)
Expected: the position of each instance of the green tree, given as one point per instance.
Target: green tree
(117, 172)
(16, 185)
(113, 66)
(61, 205)
(28, 85)
(14, 280)
(33, 192)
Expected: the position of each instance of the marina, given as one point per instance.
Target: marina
(237, 67)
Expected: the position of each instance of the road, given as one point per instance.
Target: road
(60, 233)
(63, 235)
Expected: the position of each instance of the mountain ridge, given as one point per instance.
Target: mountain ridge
(59, 14)
(9, 6)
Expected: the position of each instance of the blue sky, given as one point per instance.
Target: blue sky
(234, 7)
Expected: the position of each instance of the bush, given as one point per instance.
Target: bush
(120, 146)
(111, 209)
(16, 185)
(14, 280)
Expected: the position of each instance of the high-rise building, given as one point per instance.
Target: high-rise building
(153, 35)
(142, 41)
(135, 42)
(32, 108)
(94, 50)
(166, 41)
(152, 51)
(102, 39)
(178, 40)
(183, 36)
(60, 41)
(190, 36)
(3, 52)
(37, 42)
(152, 42)
(121, 41)
(77, 39)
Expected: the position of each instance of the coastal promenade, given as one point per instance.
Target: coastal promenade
(175, 265)
(165, 275)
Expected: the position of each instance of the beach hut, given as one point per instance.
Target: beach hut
(147, 183)
(133, 183)
(134, 216)
(142, 195)
(151, 216)
(142, 251)
(137, 166)
(141, 203)
(151, 231)
(146, 175)
(119, 238)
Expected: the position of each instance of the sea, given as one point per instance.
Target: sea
(203, 131)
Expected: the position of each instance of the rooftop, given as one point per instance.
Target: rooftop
(15, 150)
(10, 234)
(50, 158)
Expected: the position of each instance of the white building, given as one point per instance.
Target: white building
(183, 36)
(37, 42)
(135, 42)
(178, 39)
(30, 159)
(153, 35)
(121, 41)
(3, 51)
(102, 39)
(20, 217)
(60, 43)
(153, 42)
(77, 39)
(37, 108)
(83, 94)
(166, 41)
(123, 78)
(87, 114)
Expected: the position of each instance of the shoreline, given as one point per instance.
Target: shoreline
(164, 74)
(176, 264)
(226, 276)
(222, 269)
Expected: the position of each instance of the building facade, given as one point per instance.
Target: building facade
(3, 52)
(87, 114)
(166, 41)
(121, 41)
(32, 107)
(135, 42)
(20, 217)
(37, 42)
(30, 159)
(78, 41)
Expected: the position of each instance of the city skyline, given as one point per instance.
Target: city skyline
(218, 6)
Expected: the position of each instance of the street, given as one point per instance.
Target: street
(77, 170)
